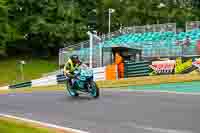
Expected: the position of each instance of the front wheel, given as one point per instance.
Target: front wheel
(71, 91)
(94, 90)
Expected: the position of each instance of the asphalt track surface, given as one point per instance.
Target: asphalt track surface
(113, 112)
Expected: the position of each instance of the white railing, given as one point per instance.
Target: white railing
(99, 74)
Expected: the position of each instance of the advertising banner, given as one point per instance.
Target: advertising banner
(197, 63)
(182, 66)
(163, 66)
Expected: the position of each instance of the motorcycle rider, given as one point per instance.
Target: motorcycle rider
(71, 65)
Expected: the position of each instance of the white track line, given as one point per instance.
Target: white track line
(43, 124)
(161, 130)
(167, 92)
(153, 91)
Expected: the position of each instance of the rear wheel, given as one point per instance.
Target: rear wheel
(94, 90)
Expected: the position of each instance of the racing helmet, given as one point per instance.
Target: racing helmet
(74, 58)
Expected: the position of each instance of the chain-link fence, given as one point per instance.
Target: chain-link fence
(66, 52)
(100, 56)
(141, 29)
(158, 50)
(103, 56)
(151, 28)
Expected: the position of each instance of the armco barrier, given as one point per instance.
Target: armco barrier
(20, 85)
(60, 78)
(99, 73)
(49, 80)
(136, 69)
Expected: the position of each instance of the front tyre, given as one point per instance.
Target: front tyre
(94, 90)
(71, 91)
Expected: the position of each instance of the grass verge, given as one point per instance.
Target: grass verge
(34, 68)
(33, 89)
(8, 125)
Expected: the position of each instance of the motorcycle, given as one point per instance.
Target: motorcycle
(83, 82)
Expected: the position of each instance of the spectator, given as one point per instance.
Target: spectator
(198, 47)
(185, 45)
(187, 41)
(119, 62)
(177, 42)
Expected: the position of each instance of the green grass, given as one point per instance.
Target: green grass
(34, 68)
(8, 126)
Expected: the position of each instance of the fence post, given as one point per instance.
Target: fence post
(91, 47)
(101, 55)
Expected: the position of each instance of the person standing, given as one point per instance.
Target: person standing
(120, 65)
(198, 47)
(185, 45)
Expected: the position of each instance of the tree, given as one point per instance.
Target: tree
(48, 24)
(8, 31)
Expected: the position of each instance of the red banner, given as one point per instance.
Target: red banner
(163, 66)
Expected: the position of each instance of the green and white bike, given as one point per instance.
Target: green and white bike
(83, 82)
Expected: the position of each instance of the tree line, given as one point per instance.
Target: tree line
(44, 26)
